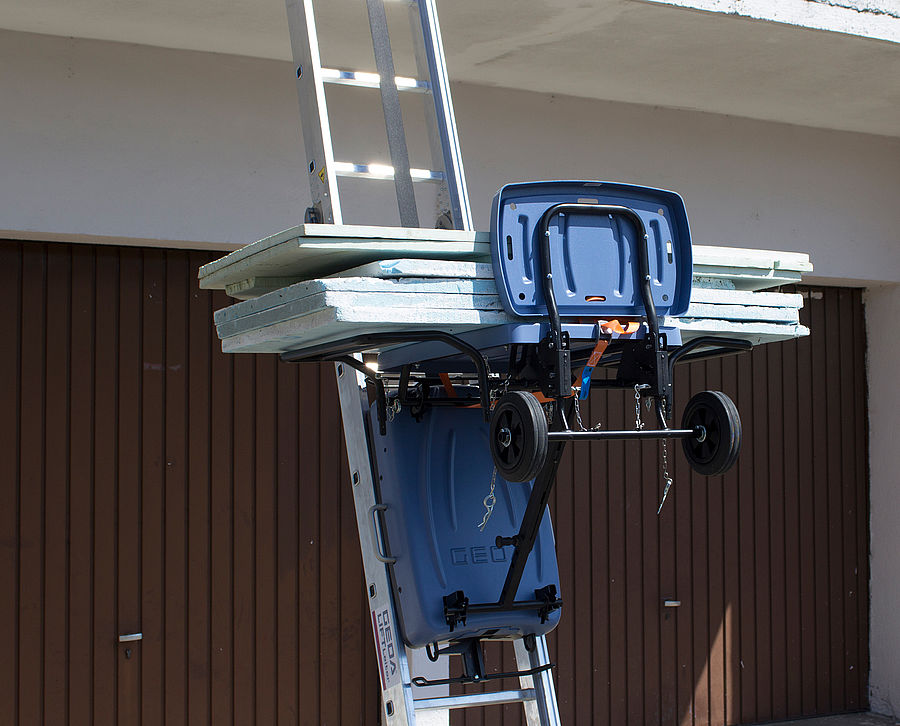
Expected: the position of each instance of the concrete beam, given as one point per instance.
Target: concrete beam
(878, 19)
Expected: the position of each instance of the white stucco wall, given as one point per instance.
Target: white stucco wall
(136, 142)
(882, 309)
(139, 144)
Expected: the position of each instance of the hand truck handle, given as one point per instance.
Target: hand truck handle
(378, 535)
(641, 249)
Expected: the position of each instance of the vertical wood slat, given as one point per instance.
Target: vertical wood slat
(266, 542)
(632, 479)
(31, 482)
(599, 557)
(244, 532)
(198, 485)
(128, 483)
(700, 557)
(287, 475)
(308, 601)
(616, 538)
(178, 284)
(10, 463)
(152, 548)
(818, 421)
(835, 501)
(861, 478)
(763, 543)
(652, 609)
(793, 507)
(717, 604)
(746, 638)
(732, 564)
(155, 454)
(565, 547)
(582, 584)
(81, 487)
(56, 525)
(221, 542)
(778, 585)
(850, 557)
(681, 508)
(806, 526)
(105, 444)
(668, 579)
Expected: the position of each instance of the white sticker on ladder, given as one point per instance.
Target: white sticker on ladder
(386, 644)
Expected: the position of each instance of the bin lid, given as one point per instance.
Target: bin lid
(593, 256)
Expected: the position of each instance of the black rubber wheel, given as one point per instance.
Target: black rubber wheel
(518, 436)
(719, 448)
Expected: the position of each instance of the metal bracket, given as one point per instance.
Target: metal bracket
(547, 595)
(456, 609)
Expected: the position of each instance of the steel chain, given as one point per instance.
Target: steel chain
(595, 427)
(665, 459)
(638, 423)
(497, 393)
(489, 501)
(393, 409)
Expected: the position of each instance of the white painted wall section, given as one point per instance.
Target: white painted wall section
(653, 53)
(882, 309)
(138, 143)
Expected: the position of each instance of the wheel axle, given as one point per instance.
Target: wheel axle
(692, 433)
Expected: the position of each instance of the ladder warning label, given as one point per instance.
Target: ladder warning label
(386, 645)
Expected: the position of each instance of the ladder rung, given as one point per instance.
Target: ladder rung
(474, 699)
(364, 79)
(383, 171)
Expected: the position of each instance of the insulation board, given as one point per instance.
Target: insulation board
(310, 251)
(315, 250)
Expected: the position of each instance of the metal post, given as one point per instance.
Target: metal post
(396, 688)
(543, 710)
(313, 113)
(430, 60)
(393, 117)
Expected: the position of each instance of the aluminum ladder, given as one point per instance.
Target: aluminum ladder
(323, 170)
(536, 693)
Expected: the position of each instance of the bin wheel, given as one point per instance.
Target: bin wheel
(718, 449)
(518, 436)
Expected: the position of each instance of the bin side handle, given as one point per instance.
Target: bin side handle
(378, 535)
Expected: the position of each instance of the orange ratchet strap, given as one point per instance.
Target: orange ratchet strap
(448, 387)
(609, 327)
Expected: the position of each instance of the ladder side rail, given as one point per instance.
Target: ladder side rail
(393, 116)
(427, 42)
(442, 207)
(313, 112)
(543, 710)
(396, 696)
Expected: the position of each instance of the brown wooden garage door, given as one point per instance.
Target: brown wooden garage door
(150, 484)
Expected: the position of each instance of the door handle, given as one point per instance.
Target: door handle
(131, 637)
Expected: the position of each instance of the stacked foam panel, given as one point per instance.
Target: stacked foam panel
(304, 288)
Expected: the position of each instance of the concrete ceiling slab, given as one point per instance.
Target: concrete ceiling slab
(621, 50)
